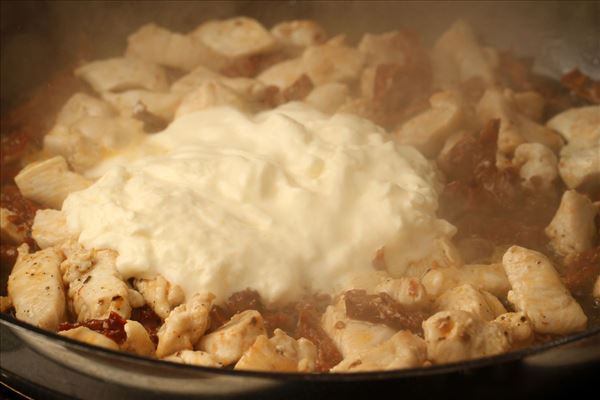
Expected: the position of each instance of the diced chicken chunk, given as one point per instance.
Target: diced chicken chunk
(572, 230)
(429, 130)
(538, 165)
(191, 357)
(154, 44)
(403, 350)
(36, 289)
(280, 353)
(444, 254)
(116, 74)
(50, 228)
(531, 104)
(331, 63)
(188, 83)
(95, 286)
(329, 97)
(457, 335)
(580, 166)
(160, 295)
(352, 336)
(396, 47)
(294, 36)
(9, 230)
(283, 74)
(480, 303)
(212, 94)
(138, 340)
(86, 335)
(488, 277)
(49, 182)
(228, 343)
(538, 291)
(578, 125)
(518, 328)
(160, 104)
(407, 291)
(235, 37)
(83, 105)
(185, 325)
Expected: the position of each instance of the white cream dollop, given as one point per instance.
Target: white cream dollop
(285, 202)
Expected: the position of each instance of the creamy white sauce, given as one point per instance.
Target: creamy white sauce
(284, 202)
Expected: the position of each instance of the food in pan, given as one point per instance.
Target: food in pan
(281, 200)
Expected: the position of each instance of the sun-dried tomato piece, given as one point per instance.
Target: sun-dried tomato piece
(149, 320)
(309, 327)
(112, 327)
(582, 85)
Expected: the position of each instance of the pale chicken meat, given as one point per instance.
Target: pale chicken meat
(86, 335)
(191, 81)
(83, 105)
(279, 353)
(185, 325)
(488, 277)
(572, 230)
(95, 287)
(580, 125)
(538, 291)
(329, 97)
(213, 94)
(444, 254)
(117, 74)
(191, 357)
(160, 295)
(406, 291)
(580, 166)
(457, 335)
(49, 182)
(228, 343)
(50, 228)
(36, 289)
(538, 165)
(518, 328)
(352, 336)
(403, 350)
(283, 74)
(387, 48)
(480, 303)
(9, 230)
(161, 104)
(138, 340)
(531, 104)
(296, 35)
(328, 63)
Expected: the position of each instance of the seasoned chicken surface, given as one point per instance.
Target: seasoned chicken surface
(488, 277)
(50, 228)
(36, 289)
(160, 295)
(138, 340)
(86, 335)
(518, 328)
(538, 291)
(191, 357)
(480, 303)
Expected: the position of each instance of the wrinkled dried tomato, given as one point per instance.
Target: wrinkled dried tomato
(112, 327)
(149, 320)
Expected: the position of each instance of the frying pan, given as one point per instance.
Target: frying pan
(38, 38)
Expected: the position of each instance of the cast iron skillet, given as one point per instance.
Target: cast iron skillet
(39, 37)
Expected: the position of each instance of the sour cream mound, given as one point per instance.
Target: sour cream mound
(285, 202)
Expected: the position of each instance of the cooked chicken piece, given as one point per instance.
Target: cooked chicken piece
(138, 341)
(117, 74)
(332, 63)
(515, 128)
(488, 277)
(212, 94)
(596, 290)
(518, 328)
(136, 300)
(538, 165)
(538, 291)
(457, 335)
(36, 289)
(443, 255)
(367, 82)
(228, 343)
(86, 335)
(283, 74)
(154, 44)
(329, 97)
(480, 303)
(296, 35)
(572, 229)
(250, 89)
(160, 104)
(531, 104)
(580, 166)
(50, 228)
(10, 231)
(95, 286)
(160, 295)
(49, 182)
(280, 353)
(388, 48)
(429, 130)
(188, 83)
(235, 37)
(5, 303)
(185, 325)
(352, 336)
(457, 57)
(403, 350)
(83, 105)
(191, 357)
(407, 291)
(578, 125)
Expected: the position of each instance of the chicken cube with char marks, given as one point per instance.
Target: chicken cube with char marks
(403, 350)
(95, 286)
(457, 335)
(185, 325)
(191, 357)
(538, 292)
(228, 343)
(138, 340)
(160, 295)
(36, 288)
(572, 230)
(50, 228)
(86, 335)
(478, 302)
(517, 327)
(279, 353)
